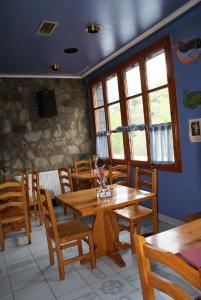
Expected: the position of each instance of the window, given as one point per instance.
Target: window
(135, 111)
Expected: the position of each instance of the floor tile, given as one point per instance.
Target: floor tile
(20, 264)
(3, 270)
(5, 286)
(7, 297)
(127, 256)
(161, 296)
(19, 239)
(38, 247)
(36, 291)
(132, 296)
(101, 272)
(26, 278)
(49, 270)
(112, 288)
(16, 252)
(130, 275)
(85, 293)
(137, 285)
(72, 282)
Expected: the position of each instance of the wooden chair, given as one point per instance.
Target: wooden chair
(133, 215)
(66, 182)
(33, 203)
(81, 166)
(120, 174)
(146, 253)
(65, 235)
(13, 210)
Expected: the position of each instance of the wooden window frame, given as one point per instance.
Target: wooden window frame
(119, 70)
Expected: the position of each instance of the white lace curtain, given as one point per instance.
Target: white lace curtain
(102, 145)
(161, 142)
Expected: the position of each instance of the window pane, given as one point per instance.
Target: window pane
(156, 71)
(160, 106)
(112, 89)
(115, 116)
(117, 145)
(98, 99)
(138, 145)
(135, 111)
(100, 120)
(133, 82)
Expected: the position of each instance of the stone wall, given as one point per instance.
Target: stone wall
(28, 141)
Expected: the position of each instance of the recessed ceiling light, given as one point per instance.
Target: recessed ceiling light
(93, 28)
(71, 50)
(55, 67)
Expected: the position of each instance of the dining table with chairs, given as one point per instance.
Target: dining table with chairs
(105, 226)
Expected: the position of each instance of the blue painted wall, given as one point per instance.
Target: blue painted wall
(178, 193)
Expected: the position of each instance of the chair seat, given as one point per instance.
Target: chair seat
(11, 219)
(72, 230)
(134, 213)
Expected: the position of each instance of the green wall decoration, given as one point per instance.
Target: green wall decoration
(191, 99)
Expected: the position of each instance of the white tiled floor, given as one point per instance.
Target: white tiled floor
(25, 273)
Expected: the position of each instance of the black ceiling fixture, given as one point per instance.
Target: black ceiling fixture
(71, 50)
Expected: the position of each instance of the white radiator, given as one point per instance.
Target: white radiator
(48, 180)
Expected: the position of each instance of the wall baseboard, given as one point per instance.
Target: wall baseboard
(170, 220)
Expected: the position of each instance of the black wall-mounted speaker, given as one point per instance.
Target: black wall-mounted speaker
(46, 103)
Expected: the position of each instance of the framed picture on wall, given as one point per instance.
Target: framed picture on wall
(195, 130)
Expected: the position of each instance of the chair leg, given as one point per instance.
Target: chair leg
(27, 229)
(65, 209)
(60, 262)
(2, 241)
(138, 228)
(50, 248)
(92, 253)
(131, 229)
(40, 215)
(80, 251)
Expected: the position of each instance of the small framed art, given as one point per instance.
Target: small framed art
(195, 130)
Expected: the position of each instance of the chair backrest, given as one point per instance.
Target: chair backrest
(146, 253)
(120, 174)
(35, 185)
(12, 195)
(146, 179)
(25, 178)
(65, 179)
(82, 165)
(48, 213)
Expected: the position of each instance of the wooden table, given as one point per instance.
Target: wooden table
(88, 175)
(105, 226)
(177, 239)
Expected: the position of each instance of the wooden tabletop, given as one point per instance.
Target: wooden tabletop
(86, 203)
(177, 239)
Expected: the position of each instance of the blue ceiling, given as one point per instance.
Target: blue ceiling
(23, 52)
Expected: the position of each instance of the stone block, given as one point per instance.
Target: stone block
(17, 165)
(47, 134)
(33, 136)
(56, 159)
(41, 163)
(73, 149)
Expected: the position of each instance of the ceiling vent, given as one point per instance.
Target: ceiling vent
(47, 28)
